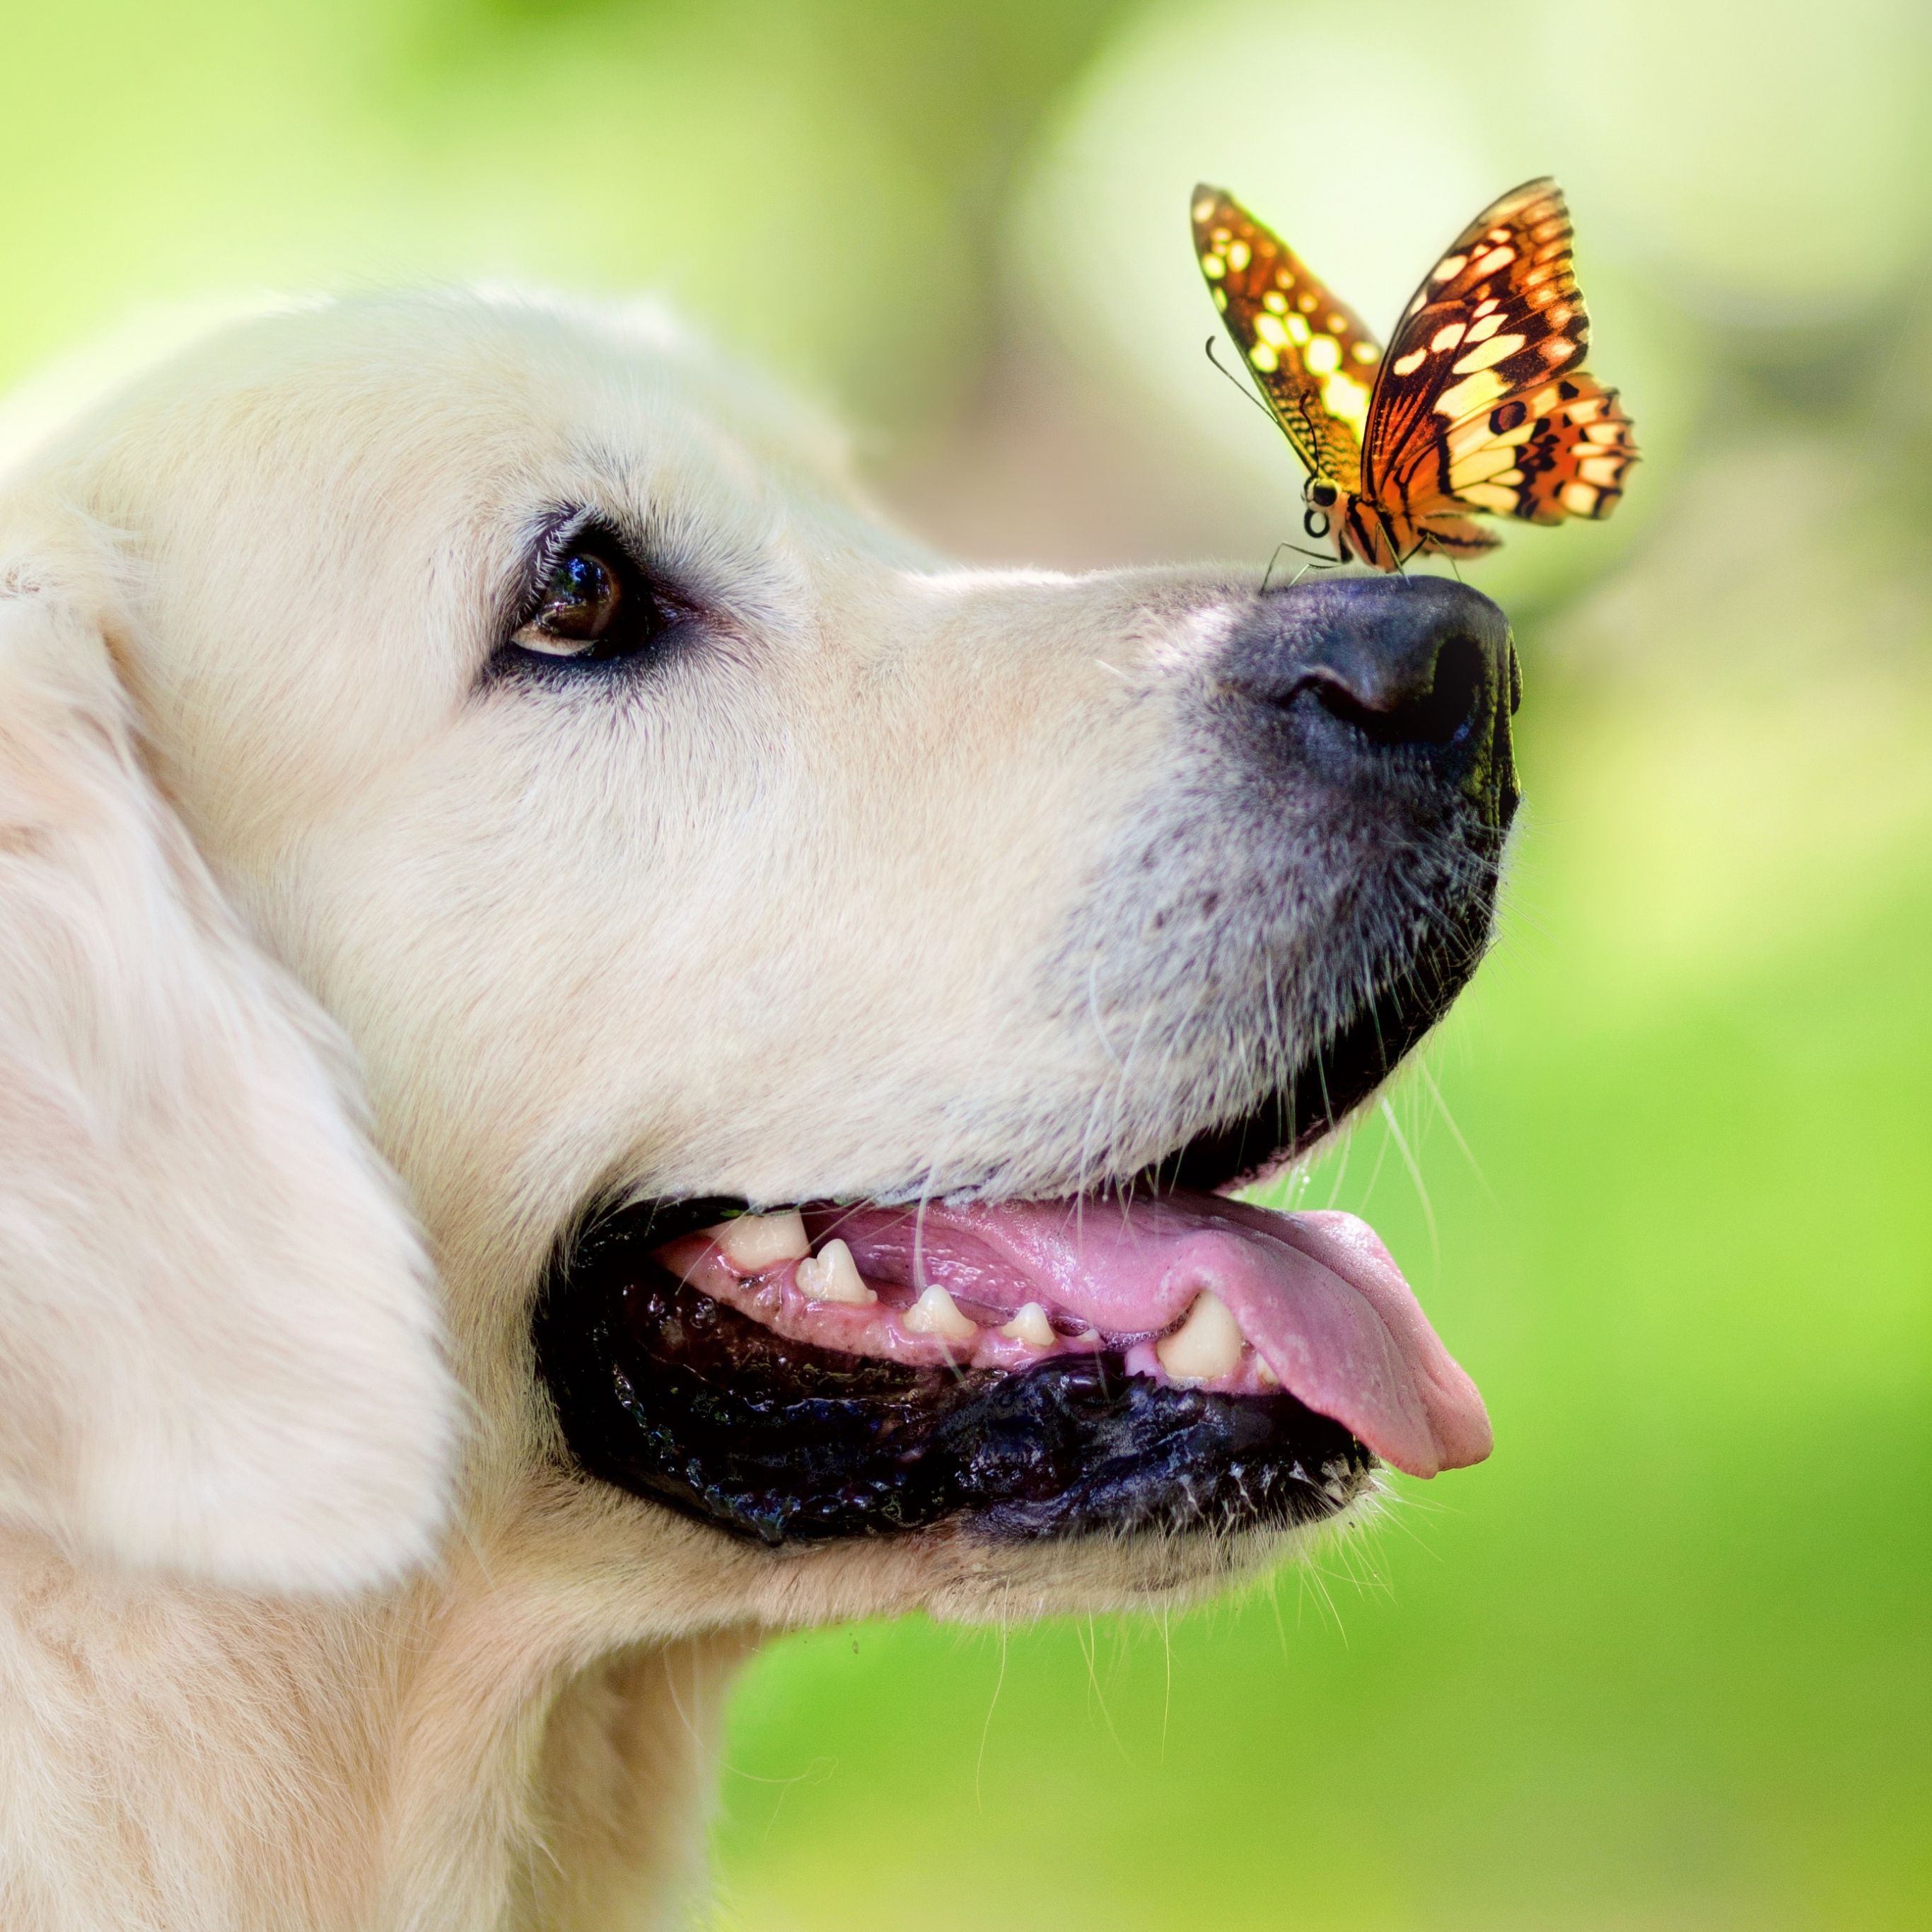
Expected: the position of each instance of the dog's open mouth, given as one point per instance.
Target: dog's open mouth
(1166, 1359)
(1045, 1367)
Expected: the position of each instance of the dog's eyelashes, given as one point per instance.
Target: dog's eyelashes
(594, 606)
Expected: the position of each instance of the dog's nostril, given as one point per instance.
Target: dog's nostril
(1434, 716)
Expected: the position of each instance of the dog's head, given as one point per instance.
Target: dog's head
(817, 1001)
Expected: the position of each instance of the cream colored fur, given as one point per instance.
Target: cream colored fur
(337, 975)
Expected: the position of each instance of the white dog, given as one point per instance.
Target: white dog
(482, 803)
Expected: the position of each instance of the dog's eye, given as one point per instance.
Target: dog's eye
(593, 606)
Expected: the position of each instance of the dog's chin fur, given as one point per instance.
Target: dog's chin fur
(346, 954)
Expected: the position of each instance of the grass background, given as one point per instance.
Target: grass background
(1667, 1659)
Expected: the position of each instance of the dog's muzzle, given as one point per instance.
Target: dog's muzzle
(1153, 1356)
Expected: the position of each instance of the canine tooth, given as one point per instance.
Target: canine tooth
(755, 1242)
(1031, 1326)
(832, 1275)
(1206, 1345)
(935, 1313)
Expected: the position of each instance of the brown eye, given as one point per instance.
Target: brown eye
(581, 600)
(595, 605)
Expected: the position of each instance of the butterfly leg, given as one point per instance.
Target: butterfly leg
(1316, 562)
(1395, 555)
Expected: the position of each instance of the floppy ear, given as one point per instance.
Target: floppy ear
(219, 1351)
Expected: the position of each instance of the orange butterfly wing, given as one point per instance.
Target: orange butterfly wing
(1479, 404)
(1567, 457)
(1312, 356)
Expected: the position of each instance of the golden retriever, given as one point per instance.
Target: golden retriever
(600, 1057)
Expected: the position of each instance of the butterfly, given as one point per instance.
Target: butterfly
(1479, 402)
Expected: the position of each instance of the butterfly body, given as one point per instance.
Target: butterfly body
(1479, 404)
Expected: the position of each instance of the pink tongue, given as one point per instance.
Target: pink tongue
(1317, 1294)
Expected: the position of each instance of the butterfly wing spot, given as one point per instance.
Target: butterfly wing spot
(1407, 365)
(1449, 267)
(1497, 258)
(1213, 267)
(1363, 352)
(1263, 357)
(1559, 349)
(1323, 356)
(1307, 303)
(1299, 333)
(1473, 393)
(1445, 338)
(1499, 497)
(1221, 300)
(1481, 331)
(1489, 462)
(1203, 210)
(1487, 355)
(1579, 499)
(1275, 301)
(1342, 396)
(1239, 256)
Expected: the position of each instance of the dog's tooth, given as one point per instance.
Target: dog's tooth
(1206, 1346)
(753, 1243)
(935, 1313)
(832, 1275)
(1265, 1368)
(1031, 1326)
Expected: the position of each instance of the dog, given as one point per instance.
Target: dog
(600, 1057)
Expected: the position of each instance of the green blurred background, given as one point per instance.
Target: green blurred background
(1665, 1180)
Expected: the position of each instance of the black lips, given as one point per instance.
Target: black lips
(673, 1395)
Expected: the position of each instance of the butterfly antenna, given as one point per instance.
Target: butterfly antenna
(1221, 369)
(1318, 561)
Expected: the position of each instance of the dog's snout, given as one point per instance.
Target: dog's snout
(1365, 668)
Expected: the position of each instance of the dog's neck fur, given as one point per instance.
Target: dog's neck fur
(431, 1761)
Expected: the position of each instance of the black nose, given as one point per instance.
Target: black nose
(1361, 670)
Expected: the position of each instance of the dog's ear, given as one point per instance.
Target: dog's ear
(219, 1348)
